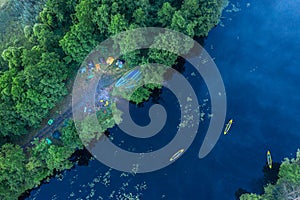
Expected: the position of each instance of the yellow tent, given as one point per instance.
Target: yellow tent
(97, 66)
(110, 60)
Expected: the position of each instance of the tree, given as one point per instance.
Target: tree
(47, 40)
(45, 87)
(129, 45)
(140, 17)
(31, 56)
(28, 32)
(12, 56)
(57, 13)
(117, 24)
(191, 8)
(70, 137)
(84, 12)
(179, 23)
(140, 95)
(9, 125)
(77, 43)
(165, 49)
(57, 158)
(12, 162)
(165, 14)
(102, 19)
(88, 131)
(250, 197)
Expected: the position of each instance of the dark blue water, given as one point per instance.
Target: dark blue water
(257, 52)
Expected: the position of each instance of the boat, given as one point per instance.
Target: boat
(134, 75)
(177, 155)
(228, 126)
(269, 159)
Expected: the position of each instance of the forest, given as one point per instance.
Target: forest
(36, 68)
(43, 43)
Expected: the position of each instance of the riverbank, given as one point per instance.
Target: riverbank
(285, 186)
(79, 157)
(263, 99)
(35, 71)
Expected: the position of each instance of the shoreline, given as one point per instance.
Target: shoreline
(80, 157)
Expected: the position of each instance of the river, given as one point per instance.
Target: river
(256, 48)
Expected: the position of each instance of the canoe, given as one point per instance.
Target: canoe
(228, 126)
(269, 159)
(176, 155)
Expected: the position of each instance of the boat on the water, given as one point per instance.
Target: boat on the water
(177, 155)
(269, 159)
(228, 126)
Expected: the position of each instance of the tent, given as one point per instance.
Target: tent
(83, 70)
(97, 66)
(50, 122)
(110, 60)
(48, 141)
(56, 135)
(91, 65)
(120, 63)
(101, 60)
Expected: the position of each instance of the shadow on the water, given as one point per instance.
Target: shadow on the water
(156, 95)
(240, 192)
(270, 177)
(81, 157)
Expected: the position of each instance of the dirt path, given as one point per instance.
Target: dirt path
(65, 107)
(48, 130)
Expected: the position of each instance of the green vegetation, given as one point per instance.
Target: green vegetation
(35, 75)
(14, 16)
(41, 45)
(286, 187)
(95, 23)
(65, 32)
(20, 172)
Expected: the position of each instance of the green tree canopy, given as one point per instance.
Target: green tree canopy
(12, 167)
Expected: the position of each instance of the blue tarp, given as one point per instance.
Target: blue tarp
(130, 78)
(56, 135)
